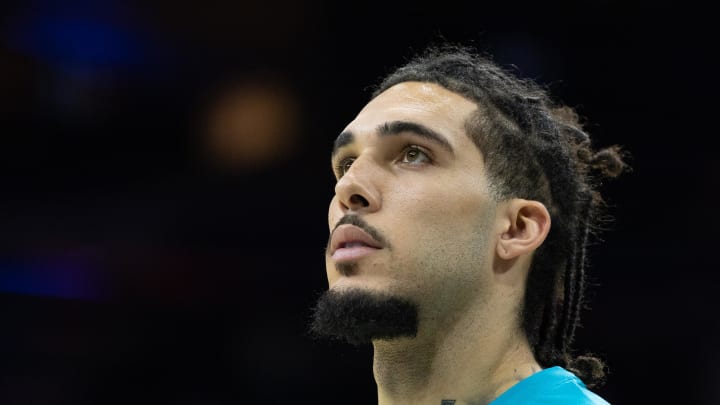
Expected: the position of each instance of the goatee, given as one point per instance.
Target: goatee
(359, 317)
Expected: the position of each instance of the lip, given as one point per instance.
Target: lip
(349, 242)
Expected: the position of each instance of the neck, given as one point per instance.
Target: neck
(466, 363)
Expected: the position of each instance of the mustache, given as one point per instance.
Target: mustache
(355, 220)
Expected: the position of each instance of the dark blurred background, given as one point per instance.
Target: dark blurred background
(165, 179)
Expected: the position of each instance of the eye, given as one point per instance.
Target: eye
(343, 166)
(414, 155)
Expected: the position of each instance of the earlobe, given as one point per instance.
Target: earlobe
(526, 227)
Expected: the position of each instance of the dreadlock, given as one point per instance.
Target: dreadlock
(534, 149)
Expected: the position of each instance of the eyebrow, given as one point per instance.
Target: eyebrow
(343, 139)
(397, 128)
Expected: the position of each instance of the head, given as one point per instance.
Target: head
(459, 168)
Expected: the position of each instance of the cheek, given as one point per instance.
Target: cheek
(443, 225)
(332, 274)
(334, 212)
(445, 207)
(333, 217)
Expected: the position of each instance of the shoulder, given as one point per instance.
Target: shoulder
(552, 386)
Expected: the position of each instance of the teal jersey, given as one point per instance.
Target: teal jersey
(551, 386)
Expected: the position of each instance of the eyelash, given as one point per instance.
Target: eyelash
(342, 166)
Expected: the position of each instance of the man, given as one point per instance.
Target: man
(461, 214)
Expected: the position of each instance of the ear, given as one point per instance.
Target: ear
(525, 226)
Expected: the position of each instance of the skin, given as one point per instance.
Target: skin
(461, 256)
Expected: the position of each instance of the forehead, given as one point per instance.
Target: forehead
(426, 103)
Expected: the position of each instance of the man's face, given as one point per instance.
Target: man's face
(412, 197)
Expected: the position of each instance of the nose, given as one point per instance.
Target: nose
(357, 190)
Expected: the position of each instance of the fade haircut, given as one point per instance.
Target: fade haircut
(534, 149)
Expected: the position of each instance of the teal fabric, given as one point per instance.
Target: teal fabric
(552, 386)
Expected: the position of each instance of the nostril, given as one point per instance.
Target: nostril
(357, 199)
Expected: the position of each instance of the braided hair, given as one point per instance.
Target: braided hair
(534, 149)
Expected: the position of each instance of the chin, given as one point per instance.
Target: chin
(375, 284)
(361, 315)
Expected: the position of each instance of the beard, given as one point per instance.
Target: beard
(359, 317)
